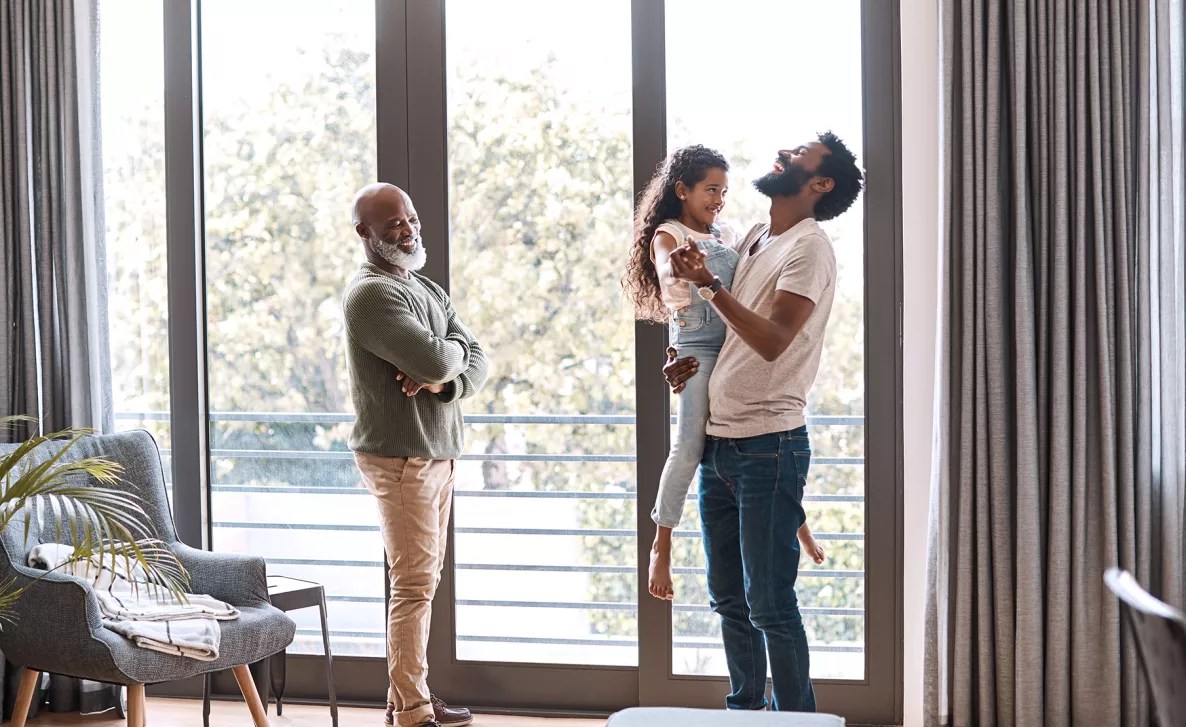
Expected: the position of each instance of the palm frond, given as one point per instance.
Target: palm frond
(9, 595)
(78, 501)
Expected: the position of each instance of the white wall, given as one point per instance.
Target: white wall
(920, 242)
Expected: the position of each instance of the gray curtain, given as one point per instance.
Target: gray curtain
(53, 317)
(1060, 442)
(53, 320)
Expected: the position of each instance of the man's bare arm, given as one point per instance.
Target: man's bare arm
(769, 337)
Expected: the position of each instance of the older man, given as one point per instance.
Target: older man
(755, 462)
(411, 362)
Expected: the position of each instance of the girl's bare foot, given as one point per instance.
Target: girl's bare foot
(811, 547)
(660, 574)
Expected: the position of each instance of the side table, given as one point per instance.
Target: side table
(288, 594)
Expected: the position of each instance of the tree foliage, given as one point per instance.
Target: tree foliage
(540, 222)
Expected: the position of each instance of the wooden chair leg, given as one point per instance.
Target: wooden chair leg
(24, 697)
(137, 716)
(247, 686)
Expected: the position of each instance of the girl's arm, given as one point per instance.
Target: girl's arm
(661, 248)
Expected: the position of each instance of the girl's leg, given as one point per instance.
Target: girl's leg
(681, 466)
(688, 447)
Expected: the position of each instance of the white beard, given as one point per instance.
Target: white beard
(410, 261)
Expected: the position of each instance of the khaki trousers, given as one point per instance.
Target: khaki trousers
(413, 496)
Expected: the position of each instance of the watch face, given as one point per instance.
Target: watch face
(707, 293)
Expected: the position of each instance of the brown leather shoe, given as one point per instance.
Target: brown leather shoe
(448, 716)
(390, 718)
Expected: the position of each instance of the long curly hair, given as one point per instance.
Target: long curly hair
(657, 204)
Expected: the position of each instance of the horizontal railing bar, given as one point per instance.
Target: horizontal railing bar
(346, 418)
(588, 606)
(805, 610)
(309, 454)
(349, 456)
(620, 533)
(609, 533)
(813, 648)
(524, 568)
(595, 605)
(299, 527)
(526, 494)
(325, 563)
(546, 640)
(345, 634)
(709, 645)
(142, 416)
(608, 606)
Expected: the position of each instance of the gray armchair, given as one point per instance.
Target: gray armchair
(59, 629)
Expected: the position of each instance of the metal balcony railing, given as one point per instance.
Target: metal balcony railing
(591, 420)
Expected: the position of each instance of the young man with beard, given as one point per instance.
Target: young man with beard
(411, 362)
(756, 458)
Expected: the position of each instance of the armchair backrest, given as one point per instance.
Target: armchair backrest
(142, 475)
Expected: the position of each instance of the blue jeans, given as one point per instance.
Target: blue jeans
(751, 508)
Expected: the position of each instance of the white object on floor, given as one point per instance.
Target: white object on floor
(675, 717)
(149, 617)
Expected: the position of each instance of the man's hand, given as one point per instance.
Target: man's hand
(678, 371)
(411, 388)
(687, 264)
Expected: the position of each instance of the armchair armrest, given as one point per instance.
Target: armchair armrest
(240, 580)
(53, 619)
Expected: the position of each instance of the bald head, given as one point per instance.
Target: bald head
(375, 200)
(385, 220)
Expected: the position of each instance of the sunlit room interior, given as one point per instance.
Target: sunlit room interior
(980, 413)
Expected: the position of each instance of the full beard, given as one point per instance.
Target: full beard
(786, 184)
(410, 261)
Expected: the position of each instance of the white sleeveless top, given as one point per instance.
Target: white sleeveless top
(679, 296)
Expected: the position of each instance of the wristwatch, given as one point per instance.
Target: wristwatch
(710, 291)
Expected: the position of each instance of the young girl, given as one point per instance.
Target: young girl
(680, 205)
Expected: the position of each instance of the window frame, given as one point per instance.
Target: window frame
(411, 152)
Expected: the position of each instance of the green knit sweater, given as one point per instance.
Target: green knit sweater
(408, 324)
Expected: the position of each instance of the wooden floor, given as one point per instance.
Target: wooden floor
(188, 713)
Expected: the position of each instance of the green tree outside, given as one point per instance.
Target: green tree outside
(540, 229)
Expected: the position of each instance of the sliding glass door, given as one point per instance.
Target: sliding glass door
(539, 203)
(538, 139)
(784, 72)
(288, 136)
(523, 129)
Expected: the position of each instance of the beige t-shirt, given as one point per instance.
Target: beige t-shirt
(749, 396)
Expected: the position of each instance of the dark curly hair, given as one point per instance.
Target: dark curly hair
(657, 204)
(839, 165)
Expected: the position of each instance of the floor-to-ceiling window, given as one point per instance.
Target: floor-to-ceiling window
(288, 101)
(521, 128)
(539, 152)
(802, 77)
(132, 118)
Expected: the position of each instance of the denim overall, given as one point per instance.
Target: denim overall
(697, 331)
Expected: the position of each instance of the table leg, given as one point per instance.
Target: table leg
(279, 666)
(329, 663)
(206, 699)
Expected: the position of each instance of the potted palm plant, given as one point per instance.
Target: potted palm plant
(104, 524)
